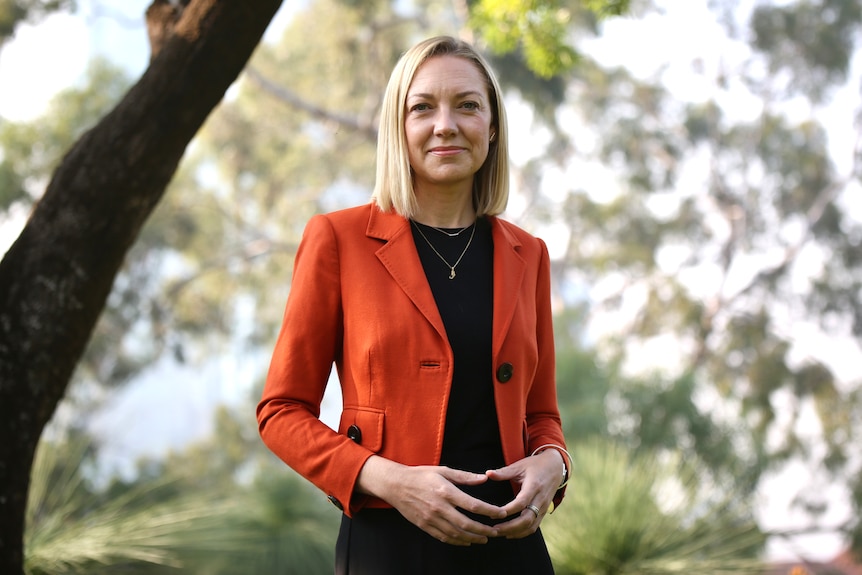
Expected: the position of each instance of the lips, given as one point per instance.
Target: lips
(445, 150)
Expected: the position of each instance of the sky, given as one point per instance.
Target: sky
(112, 28)
(59, 49)
(92, 31)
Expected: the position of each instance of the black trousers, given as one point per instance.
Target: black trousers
(383, 542)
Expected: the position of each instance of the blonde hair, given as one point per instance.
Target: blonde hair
(393, 188)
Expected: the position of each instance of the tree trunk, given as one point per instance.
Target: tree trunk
(56, 277)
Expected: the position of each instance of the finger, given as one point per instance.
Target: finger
(521, 526)
(478, 507)
(459, 477)
(466, 502)
(513, 472)
(450, 517)
(519, 503)
(504, 474)
(461, 530)
(472, 531)
(449, 538)
(461, 500)
(451, 526)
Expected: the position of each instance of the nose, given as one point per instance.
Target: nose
(444, 122)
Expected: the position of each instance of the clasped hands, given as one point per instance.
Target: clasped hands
(429, 496)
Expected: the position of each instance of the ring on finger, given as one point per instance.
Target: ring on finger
(534, 509)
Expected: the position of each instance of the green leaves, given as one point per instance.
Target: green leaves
(196, 511)
(647, 515)
(14, 12)
(812, 40)
(542, 29)
(70, 529)
(725, 234)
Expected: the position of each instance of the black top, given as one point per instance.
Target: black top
(466, 303)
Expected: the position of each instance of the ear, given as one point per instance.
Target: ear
(493, 135)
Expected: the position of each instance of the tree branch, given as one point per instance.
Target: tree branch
(825, 197)
(291, 99)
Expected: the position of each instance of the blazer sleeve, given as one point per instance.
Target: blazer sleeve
(544, 426)
(308, 344)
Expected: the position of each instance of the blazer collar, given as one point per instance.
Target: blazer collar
(385, 225)
(509, 269)
(398, 255)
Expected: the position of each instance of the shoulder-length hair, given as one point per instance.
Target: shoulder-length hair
(393, 187)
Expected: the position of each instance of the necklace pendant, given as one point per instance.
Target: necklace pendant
(439, 255)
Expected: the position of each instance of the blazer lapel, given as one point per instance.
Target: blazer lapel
(508, 276)
(398, 255)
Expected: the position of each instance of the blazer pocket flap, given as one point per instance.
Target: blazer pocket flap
(364, 425)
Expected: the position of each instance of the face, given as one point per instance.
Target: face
(447, 124)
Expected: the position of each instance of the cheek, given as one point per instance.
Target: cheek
(413, 134)
(482, 134)
(482, 146)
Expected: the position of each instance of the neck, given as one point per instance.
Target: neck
(445, 211)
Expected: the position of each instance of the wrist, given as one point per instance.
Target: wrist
(375, 476)
(565, 458)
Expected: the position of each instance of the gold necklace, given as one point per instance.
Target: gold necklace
(448, 233)
(448, 265)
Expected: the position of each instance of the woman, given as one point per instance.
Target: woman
(437, 316)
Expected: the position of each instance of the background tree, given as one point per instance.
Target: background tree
(727, 227)
(56, 277)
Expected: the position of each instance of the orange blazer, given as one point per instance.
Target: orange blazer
(359, 298)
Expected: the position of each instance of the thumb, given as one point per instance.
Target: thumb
(459, 477)
(501, 474)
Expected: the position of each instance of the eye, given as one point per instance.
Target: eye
(422, 107)
(471, 105)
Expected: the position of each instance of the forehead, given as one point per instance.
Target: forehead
(448, 74)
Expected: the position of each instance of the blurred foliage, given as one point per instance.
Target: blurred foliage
(15, 12)
(726, 233)
(71, 529)
(31, 150)
(196, 511)
(583, 383)
(645, 515)
(539, 30)
(808, 45)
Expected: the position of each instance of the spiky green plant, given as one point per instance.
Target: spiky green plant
(72, 529)
(640, 515)
(168, 523)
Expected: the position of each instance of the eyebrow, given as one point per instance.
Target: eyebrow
(427, 96)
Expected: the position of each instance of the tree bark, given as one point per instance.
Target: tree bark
(56, 277)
